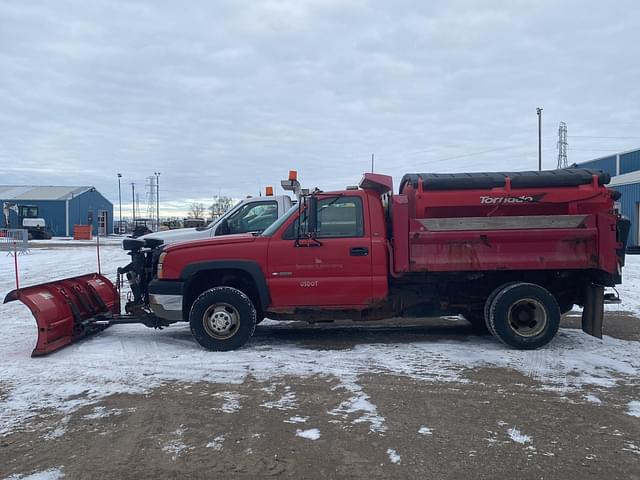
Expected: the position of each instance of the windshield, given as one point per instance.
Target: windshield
(253, 217)
(207, 227)
(278, 223)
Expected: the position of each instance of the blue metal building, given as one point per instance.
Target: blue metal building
(624, 168)
(61, 207)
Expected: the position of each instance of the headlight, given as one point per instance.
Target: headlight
(160, 262)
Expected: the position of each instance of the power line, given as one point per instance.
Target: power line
(476, 153)
(594, 150)
(595, 136)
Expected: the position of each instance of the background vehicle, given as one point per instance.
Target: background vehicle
(251, 215)
(28, 219)
(509, 251)
(140, 227)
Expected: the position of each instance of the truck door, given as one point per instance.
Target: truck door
(336, 270)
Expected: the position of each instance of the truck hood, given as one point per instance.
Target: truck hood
(210, 242)
(179, 235)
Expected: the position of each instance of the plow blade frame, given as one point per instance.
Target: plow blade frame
(66, 310)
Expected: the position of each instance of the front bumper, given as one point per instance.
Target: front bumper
(165, 299)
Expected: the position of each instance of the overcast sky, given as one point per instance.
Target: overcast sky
(227, 96)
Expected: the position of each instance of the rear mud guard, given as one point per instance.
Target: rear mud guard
(65, 310)
(593, 312)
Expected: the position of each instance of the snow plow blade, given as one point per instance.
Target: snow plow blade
(67, 310)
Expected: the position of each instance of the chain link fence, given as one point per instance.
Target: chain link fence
(14, 238)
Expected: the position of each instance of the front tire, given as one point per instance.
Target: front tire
(222, 319)
(524, 316)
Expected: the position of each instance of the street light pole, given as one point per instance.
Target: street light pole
(133, 198)
(539, 112)
(120, 202)
(157, 174)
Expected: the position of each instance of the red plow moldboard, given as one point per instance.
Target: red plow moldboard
(67, 310)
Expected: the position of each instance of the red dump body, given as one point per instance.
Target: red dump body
(510, 221)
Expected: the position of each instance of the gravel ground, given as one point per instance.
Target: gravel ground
(488, 423)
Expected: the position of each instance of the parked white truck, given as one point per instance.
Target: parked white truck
(247, 216)
(251, 215)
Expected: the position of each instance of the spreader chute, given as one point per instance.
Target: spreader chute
(68, 310)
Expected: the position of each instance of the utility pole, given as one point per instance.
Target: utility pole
(120, 202)
(372, 163)
(157, 174)
(133, 200)
(539, 112)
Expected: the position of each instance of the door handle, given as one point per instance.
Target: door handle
(359, 251)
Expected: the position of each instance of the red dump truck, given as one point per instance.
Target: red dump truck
(510, 252)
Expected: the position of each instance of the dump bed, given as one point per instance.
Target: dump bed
(551, 220)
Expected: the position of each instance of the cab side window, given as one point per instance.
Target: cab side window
(338, 217)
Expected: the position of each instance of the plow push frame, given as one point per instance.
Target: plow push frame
(74, 308)
(70, 309)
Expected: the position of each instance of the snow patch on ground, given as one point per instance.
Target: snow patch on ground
(286, 402)
(633, 408)
(593, 399)
(297, 419)
(423, 430)
(517, 436)
(216, 443)
(175, 446)
(629, 288)
(59, 430)
(50, 474)
(135, 359)
(359, 404)
(310, 434)
(393, 456)
(102, 412)
(231, 401)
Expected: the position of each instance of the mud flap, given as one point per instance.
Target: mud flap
(66, 310)
(593, 312)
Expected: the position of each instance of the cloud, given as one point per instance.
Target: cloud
(228, 96)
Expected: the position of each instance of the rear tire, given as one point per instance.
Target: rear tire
(524, 316)
(222, 319)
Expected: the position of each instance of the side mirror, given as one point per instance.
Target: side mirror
(312, 215)
(223, 228)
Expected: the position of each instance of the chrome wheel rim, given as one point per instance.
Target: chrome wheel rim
(221, 321)
(527, 317)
